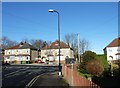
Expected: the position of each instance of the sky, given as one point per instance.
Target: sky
(97, 22)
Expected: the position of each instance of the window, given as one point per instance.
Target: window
(118, 57)
(118, 49)
(110, 50)
(27, 58)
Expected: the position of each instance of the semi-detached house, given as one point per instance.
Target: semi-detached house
(21, 53)
(113, 50)
(51, 52)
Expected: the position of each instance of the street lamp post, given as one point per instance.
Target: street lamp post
(51, 10)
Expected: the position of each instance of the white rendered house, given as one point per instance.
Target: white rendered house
(51, 52)
(20, 53)
(113, 50)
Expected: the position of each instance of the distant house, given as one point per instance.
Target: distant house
(2, 55)
(113, 50)
(21, 53)
(51, 52)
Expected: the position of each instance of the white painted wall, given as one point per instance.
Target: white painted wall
(13, 54)
(65, 52)
(111, 53)
(17, 51)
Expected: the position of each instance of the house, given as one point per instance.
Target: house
(51, 52)
(2, 55)
(21, 53)
(113, 50)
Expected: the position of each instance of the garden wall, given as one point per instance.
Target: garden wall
(74, 78)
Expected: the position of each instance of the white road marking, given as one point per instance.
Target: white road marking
(21, 72)
(15, 72)
(30, 84)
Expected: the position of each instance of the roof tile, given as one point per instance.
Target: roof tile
(114, 43)
(23, 46)
(54, 45)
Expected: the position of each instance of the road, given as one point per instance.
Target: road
(22, 75)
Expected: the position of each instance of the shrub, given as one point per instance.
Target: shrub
(94, 67)
(88, 55)
(81, 68)
(106, 72)
(103, 59)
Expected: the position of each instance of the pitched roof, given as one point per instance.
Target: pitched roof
(114, 43)
(22, 45)
(54, 45)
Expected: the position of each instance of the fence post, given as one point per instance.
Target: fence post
(65, 71)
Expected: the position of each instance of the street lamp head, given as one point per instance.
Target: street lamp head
(51, 10)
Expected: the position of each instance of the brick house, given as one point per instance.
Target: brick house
(21, 53)
(113, 50)
(51, 52)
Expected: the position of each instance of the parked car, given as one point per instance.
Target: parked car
(39, 61)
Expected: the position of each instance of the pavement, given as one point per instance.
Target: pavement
(52, 80)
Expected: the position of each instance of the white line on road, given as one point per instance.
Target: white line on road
(30, 84)
(15, 72)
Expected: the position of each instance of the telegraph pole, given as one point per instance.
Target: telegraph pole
(78, 48)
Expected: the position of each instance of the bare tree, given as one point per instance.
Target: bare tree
(6, 42)
(67, 39)
(84, 45)
(72, 41)
(48, 42)
(38, 43)
(25, 39)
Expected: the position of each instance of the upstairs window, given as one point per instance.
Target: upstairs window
(118, 49)
(9, 52)
(110, 50)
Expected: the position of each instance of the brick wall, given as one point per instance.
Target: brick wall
(74, 78)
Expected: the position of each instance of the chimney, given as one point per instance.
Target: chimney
(21, 44)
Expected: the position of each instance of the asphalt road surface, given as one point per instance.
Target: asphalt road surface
(13, 76)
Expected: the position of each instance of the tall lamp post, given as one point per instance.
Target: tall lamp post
(52, 11)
